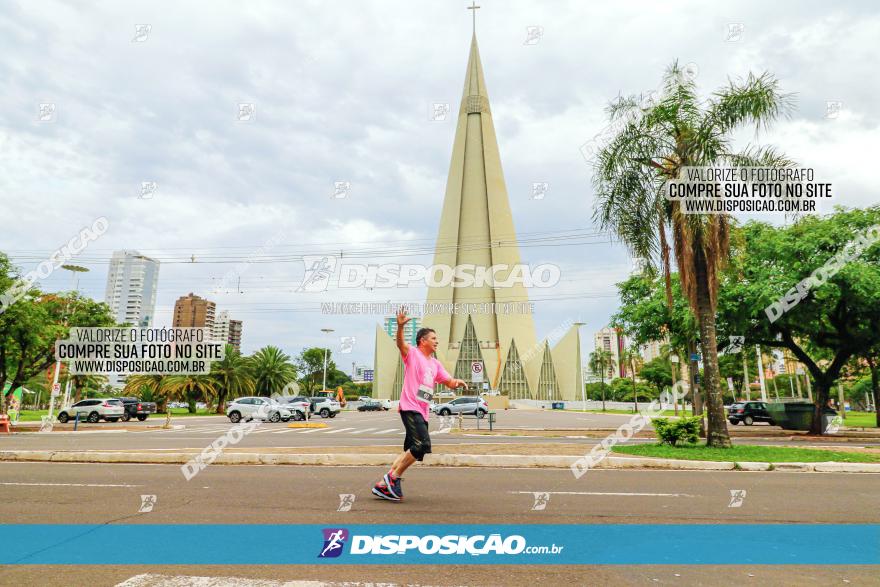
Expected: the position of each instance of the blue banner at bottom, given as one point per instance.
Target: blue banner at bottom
(551, 544)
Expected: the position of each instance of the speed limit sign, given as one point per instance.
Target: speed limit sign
(476, 372)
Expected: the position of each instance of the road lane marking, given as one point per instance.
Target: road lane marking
(153, 580)
(616, 494)
(388, 431)
(66, 484)
(337, 430)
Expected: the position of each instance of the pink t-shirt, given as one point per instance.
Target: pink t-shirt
(419, 369)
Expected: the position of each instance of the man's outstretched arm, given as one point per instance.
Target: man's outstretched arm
(402, 319)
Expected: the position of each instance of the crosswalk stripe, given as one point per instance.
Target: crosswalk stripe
(281, 431)
(338, 430)
(308, 430)
(365, 430)
(386, 431)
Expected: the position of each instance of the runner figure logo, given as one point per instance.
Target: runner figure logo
(334, 541)
(737, 497)
(346, 500)
(541, 501)
(147, 503)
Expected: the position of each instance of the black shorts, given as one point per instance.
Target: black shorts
(417, 441)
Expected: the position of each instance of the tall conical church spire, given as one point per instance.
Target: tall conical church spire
(476, 228)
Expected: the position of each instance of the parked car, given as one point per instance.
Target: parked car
(264, 408)
(93, 410)
(372, 406)
(325, 407)
(463, 405)
(135, 408)
(748, 413)
(365, 398)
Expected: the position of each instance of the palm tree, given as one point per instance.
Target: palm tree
(233, 376)
(154, 386)
(191, 388)
(633, 361)
(652, 146)
(271, 370)
(80, 382)
(600, 361)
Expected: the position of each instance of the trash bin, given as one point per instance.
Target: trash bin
(792, 415)
(558, 406)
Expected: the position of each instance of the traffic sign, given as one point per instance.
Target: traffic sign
(476, 371)
(368, 374)
(56, 389)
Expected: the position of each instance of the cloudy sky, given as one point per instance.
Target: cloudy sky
(342, 91)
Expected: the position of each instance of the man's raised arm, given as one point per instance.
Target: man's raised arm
(402, 319)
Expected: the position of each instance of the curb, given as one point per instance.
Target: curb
(434, 460)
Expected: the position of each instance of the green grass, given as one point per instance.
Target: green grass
(630, 412)
(32, 415)
(178, 412)
(752, 453)
(861, 419)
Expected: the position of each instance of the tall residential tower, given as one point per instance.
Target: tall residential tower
(132, 282)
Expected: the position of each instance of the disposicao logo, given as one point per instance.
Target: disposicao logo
(334, 541)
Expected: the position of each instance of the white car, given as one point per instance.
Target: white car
(92, 410)
(262, 408)
(325, 407)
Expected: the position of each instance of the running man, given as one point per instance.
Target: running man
(421, 372)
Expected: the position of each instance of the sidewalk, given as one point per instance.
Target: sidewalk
(492, 456)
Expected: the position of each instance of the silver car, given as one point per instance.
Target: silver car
(93, 410)
(462, 405)
(262, 408)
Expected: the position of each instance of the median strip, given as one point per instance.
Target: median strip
(437, 460)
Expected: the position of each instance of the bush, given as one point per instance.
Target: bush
(686, 429)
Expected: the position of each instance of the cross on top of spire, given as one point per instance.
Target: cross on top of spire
(474, 7)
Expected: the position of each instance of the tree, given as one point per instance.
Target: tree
(272, 370)
(633, 360)
(30, 327)
(833, 321)
(652, 147)
(645, 315)
(310, 364)
(80, 382)
(148, 388)
(657, 372)
(600, 361)
(191, 388)
(233, 376)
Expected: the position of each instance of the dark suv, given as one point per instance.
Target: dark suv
(748, 413)
(135, 408)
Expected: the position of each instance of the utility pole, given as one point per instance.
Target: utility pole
(326, 350)
(761, 374)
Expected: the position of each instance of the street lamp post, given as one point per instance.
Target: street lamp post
(326, 349)
(74, 269)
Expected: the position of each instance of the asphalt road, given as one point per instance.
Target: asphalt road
(111, 494)
(347, 429)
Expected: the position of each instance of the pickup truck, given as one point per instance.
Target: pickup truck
(135, 408)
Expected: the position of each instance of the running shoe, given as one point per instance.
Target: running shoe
(393, 485)
(381, 490)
